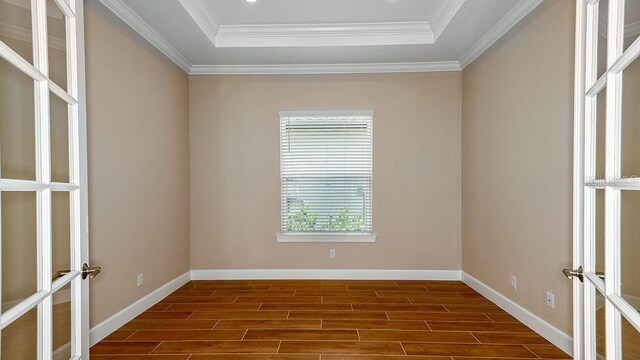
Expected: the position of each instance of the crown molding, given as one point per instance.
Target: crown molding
(302, 69)
(303, 35)
(376, 31)
(22, 34)
(126, 14)
(505, 24)
(343, 34)
(203, 17)
(448, 9)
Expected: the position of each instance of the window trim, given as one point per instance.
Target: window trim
(327, 113)
(301, 237)
(326, 237)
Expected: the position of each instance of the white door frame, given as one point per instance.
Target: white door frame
(587, 88)
(73, 11)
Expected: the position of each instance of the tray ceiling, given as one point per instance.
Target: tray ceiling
(321, 36)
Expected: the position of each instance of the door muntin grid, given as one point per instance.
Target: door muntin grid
(613, 182)
(44, 87)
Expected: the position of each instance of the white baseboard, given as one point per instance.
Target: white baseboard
(108, 326)
(348, 274)
(546, 330)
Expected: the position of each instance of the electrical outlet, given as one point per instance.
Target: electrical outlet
(332, 254)
(514, 282)
(140, 279)
(550, 300)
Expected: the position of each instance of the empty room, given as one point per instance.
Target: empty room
(319, 179)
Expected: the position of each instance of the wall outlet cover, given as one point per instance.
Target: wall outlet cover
(550, 300)
(140, 279)
(514, 282)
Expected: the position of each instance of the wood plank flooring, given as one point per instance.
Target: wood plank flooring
(324, 320)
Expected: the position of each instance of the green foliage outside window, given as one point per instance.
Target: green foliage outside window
(304, 220)
(344, 222)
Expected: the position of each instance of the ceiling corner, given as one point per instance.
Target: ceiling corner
(126, 14)
(203, 17)
(522, 9)
(444, 15)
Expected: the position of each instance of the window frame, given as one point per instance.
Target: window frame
(319, 236)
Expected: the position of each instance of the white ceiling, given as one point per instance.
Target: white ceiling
(321, 36)
(322, 11)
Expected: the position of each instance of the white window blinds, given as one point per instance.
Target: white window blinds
(326, 171)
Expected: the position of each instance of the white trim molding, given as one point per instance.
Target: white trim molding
(334, 274)
(333, 34)
(342, 34)
(326, 237)
(124, 12)
(203, 17)
(311, 69)
(108, 326)
(347, 34)
(326, 113)
(546, 330)
(505, 24)
(448, 9)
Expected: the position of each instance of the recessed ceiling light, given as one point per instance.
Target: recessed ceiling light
(251, 1)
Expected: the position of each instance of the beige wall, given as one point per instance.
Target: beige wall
(235, 184)
(517, 162)
(138, 164)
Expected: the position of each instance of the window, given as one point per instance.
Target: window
(326, 176)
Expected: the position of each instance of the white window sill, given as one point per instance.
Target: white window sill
(326, 237)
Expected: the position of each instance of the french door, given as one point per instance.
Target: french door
(43, 181)
(607, 181)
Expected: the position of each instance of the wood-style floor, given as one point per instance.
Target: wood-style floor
(324, 320)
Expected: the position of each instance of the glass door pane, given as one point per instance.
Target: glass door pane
(630, 248)
(20, 338)
(631, 120)
(59, 132)
(630, 341)
(62, 324)
(19, 247)
(57, 44)
(16, 17)
(601, 338)
(17, 124)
